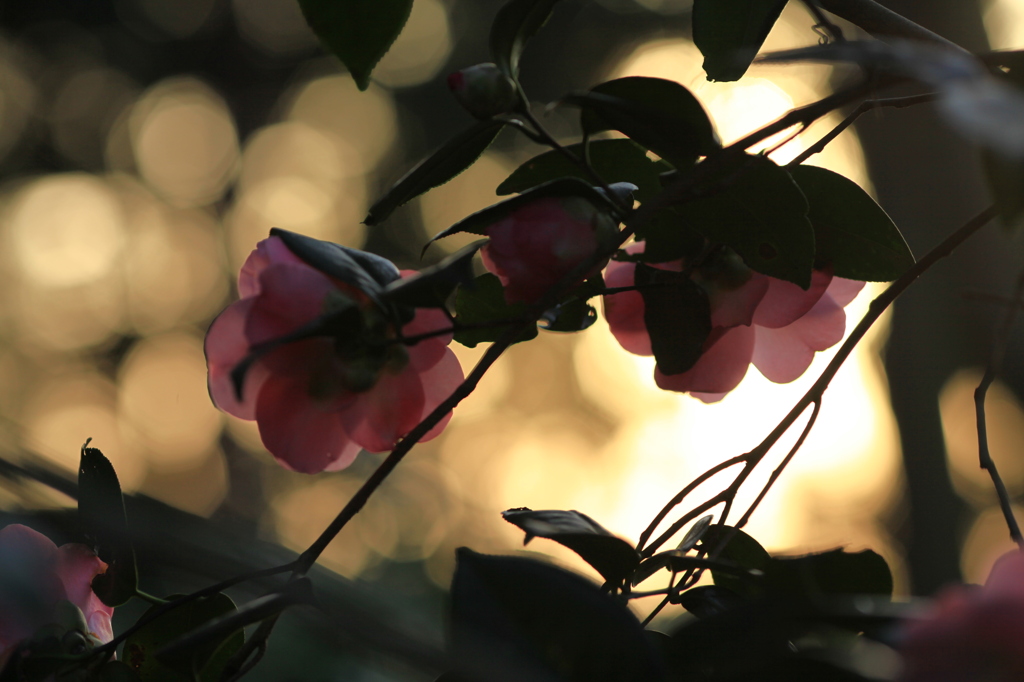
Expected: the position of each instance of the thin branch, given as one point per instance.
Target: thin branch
(995, 365)
(832, 30)
(867, 105)
(882, 22)
(875, 310)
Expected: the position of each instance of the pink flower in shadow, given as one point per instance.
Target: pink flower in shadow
(971, 634)
(535, 246)
(35, 575)
(316, 405)
(760, 320)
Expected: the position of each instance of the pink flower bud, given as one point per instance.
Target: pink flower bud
(320, 400)
(483, 90)
(36, 576)
(537, 245)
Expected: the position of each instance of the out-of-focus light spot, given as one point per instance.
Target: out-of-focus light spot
(164, 400)
(198, 489)
(468, 192)
(178, 19)
(67, 319)
(64, 410)
(366, 120)
(184, 141)
(17, 98)
(421, 49)
(666, 6)
(987, 540)
(1004, 24)
(66, 230)
(1005, 422)
(491, 390)
(274, 26)
(246, 434)
(85, 109)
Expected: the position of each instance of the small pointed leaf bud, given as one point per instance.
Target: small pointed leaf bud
(483, 90)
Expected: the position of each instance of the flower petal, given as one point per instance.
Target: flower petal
(782, 355)
(439, 383)
(304, 435)
(428, 352)
(378, 418)
(77, 565)
(267, 252)
(720, 369)
(625, 311)
(738, 306)
(785, 302)
(225, 346)
(843, 291)
(291, 295)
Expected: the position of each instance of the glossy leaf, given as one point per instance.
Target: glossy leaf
(477, 223)
(359, 32)
(481, 304)
(729, 33)
(611, 556)
(365, 271)
(516, 22)
(852, 233)
(614, 160)
(762, 214)
(668, 237)
(696, 532)
(708, 600)
(455, 156)
(206, 658)
(677, 315)
(533, 621)
(101, 508)
(658, 114)
(739, 548)
(431, 287)
(678, 561)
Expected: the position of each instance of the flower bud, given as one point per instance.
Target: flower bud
(483, 90)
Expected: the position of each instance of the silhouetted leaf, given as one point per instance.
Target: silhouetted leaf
(668, 237)
(761, 214)
(658, 114)
(729, 33)
(695, 533)
(832, 572)
(481, 305)
(614, 160)
(677, 315)
(852, 233)
(431, 287)
(516, 22)
(740, 549)
(572, 315)
(206, 658)
(708, 600)
(359, 32)
(534, 621)
(611, 556)
(103, 518)
(455, 156)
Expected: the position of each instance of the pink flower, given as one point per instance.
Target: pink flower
(321, 399)
(534, 247)
(35, 575)
(483, 90)
(755, 319)
(971, 634)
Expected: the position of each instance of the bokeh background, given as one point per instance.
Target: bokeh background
(146, 146)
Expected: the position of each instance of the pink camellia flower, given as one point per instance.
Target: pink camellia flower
(35, 576)
(535, 246)
(971, 634)
(319, 400)
(483, 90)
(755, 319)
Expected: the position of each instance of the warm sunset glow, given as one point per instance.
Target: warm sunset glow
(1004, 23)
(421, 50)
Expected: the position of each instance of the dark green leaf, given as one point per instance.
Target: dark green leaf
(359, 32)
(677, 315)
(365, 271)
(516, 22)
(761, 214)
(729, 33)
(1005, 177)
(678, 561)
(533, 621)
(572, 315)
(613, 160)
(117, 671)
(668, 237)
(103, 518)
(431, 287)
(852, 233)
(611, 556)
(658, 114)
(833, 572)
(740, 549)
(477, 223)
(455, 156)
(695, 533)
(708, 600)
(206, 658)
(480, 306)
